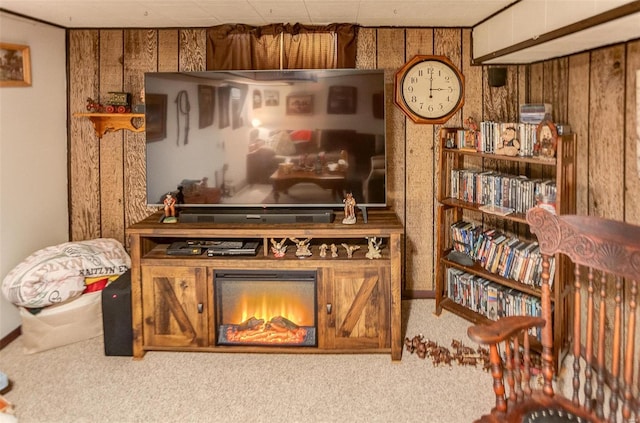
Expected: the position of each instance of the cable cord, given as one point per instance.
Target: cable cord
(184, 108)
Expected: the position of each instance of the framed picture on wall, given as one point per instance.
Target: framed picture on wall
(271, 98)
(342, 100)
(16, 65)
(206, 105)
(257, 99)
(224, 101)
(300, 104)
(156, 117)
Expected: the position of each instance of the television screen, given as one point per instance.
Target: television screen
(266, 138)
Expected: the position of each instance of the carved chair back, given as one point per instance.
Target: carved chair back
(601, 361)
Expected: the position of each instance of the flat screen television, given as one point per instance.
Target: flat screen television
(262, 139)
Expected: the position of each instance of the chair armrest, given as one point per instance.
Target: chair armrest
(502, 329)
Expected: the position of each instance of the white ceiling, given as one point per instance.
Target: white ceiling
(205, 13)
(484, 16)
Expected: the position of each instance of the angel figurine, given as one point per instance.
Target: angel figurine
(323, 250)
(373, 245)
(349, 209)
(278, 248)
(303, 247)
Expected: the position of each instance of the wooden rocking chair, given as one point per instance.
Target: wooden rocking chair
(603, 355)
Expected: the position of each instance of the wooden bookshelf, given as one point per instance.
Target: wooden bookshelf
(560, 169)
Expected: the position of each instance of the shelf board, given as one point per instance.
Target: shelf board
(476, 318)
(111, 122)
(476, 269)
(517, 159)
(514, 217)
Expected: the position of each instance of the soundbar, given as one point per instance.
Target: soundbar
(274, 215)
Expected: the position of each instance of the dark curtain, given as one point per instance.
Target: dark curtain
(303, 46)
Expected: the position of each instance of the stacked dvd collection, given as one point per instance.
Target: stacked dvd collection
(501, 254)
(491, 133)
(491, 299)
(493, 188)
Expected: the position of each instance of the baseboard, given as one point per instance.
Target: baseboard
(12, 336)
(418, 294)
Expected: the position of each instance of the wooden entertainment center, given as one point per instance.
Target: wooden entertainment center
(358, 299)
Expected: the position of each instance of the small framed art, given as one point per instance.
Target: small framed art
(15, 65)
(342, 100)
(206, 105)
(300, 104)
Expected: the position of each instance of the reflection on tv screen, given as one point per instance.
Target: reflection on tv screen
(266, 138)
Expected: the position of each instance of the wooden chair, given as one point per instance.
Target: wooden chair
(603, 356)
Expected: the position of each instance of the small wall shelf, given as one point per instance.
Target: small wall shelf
(110, 122)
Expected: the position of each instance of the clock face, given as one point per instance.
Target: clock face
(429, 89)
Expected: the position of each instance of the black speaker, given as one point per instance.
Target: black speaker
(497, 77)
(116, 316)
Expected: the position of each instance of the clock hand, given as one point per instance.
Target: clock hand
(430, 86)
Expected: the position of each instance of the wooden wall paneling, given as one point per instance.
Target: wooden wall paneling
(419, 182)
(390, 53)
(578, 119)
(448, 42)
(536, 74)
(606, 133)
(141, 55)
(193, 49)
(473, 87)
(632, 167)
(84, 198)
(523, 83)
(168, 49)
(632, 138)
(111, 143)
(366, 50)
(555, 87)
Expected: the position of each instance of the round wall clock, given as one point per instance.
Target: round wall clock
(429, 89)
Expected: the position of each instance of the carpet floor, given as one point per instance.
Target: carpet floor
(78, 383)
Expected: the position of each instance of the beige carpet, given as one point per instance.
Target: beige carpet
(77, 383)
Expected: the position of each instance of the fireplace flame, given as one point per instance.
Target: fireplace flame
(268, 305)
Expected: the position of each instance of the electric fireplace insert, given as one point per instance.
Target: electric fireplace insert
(266, 307)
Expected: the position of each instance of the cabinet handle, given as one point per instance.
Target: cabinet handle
(200, 308)
(329, 307)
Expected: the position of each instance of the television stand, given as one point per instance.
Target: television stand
(356, 300)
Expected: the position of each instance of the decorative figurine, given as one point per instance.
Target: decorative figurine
(334, 251)
(303, 249)
(350, 249)
(169, 209)
(278, 248)
(323, 250)
(373, 245)
(509, 145)
(349, 209)
(471, 135)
